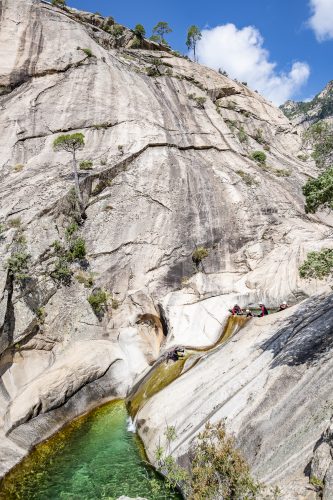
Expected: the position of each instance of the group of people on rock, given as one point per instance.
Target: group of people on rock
(238, 311)
(176, 354)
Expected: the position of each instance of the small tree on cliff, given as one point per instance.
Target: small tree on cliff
(139, 31)
(159, 31)
(71, 143)
(193, 36)
(140, 34)
(59, 3)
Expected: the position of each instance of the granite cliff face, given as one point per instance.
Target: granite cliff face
(171, 172)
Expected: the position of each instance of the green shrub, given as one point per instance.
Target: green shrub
(62, 272)
(71, 229)
(86, 279)
(319, 192)
(99, 301)
(259, 157)
(154, 69)
(88, 52)
(199, 100)
(77, 249)
(317, 265)
(73, 249)
(247, 178)
(218, 469)
(41, 315)
(317, 483)
(117, 30)
(199, 254)
(86, 165)
(57, 247)
(18, 265)
(242, 135)
(176, 476)
(14, 222)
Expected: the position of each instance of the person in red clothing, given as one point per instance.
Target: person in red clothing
(264, 311)
(236, 310)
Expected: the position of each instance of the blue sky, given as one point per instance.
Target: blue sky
(282, 29)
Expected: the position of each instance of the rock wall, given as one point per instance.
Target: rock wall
(272, 383)
(171, 172)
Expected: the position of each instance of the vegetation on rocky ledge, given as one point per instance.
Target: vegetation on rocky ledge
(217, 469)
(259, 157)
(320, 137)
(72, 249)
(198, 255)
(319, 192)
(318, 264)
(98, 300)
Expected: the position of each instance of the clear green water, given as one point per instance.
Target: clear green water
(94, 457)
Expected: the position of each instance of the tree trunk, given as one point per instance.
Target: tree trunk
(76, 180)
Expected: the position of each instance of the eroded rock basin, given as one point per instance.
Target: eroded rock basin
(95, 456)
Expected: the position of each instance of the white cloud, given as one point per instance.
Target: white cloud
(321, 20)
(241, 53)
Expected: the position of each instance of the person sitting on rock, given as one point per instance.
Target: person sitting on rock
(264, 311)
(283, 306)
(249, 313)
(176, 354)
(236, 310)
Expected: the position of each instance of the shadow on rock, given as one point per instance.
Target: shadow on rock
(307, 337)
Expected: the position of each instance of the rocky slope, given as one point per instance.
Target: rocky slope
(272, 383)
(170, 172)
(307, 113)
